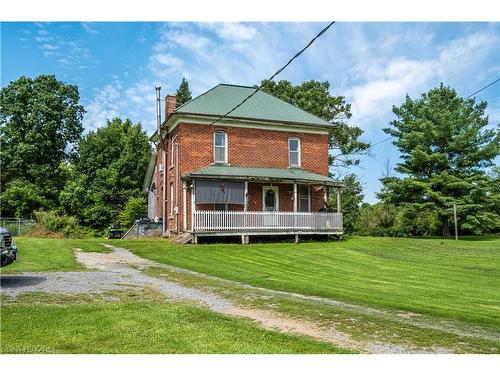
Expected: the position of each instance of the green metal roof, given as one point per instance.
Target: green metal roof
(262, 174)
(262, 106)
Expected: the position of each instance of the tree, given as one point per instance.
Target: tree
(135, 208)
(40, 122)
(351, 198)
(376, 220)
(314, 97)
(446, 151)
(108, 171)
(183, 95)
(21, 198)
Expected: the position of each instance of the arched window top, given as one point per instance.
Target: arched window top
(294, 152)
(220, 147)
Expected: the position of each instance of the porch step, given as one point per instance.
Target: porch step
(183, 238)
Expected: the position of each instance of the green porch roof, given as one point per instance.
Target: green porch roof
(262, 106)
(296, 175)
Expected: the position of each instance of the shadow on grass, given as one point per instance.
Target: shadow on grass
(18, 281)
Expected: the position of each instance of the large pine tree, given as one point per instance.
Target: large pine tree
(446, 150)
(183, 94)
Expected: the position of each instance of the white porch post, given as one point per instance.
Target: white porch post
(184, 206)
(294, 197)
(245, 208)
(325, 196)
(193, 200)
(339, 207)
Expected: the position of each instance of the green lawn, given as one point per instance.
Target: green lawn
(441, 278)
(50, 254)
(137, 326)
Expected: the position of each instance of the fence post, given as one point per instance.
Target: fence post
(18, 226)
(455, 217)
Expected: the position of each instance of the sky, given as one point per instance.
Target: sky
(374, 65)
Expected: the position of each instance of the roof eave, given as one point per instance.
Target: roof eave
(191, 176)
(293, 123)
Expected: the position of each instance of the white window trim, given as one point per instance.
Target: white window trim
(276, 194)
(308, 198)
(298, 152)
(171, 199)
(225, 148)
(172, 151)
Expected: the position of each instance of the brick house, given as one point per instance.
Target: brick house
(263, 170)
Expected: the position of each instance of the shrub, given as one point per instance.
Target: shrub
(135, 208)
(50, 223)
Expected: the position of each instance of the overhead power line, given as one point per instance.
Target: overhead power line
(484, 88)
(277, 72)
(477, 92)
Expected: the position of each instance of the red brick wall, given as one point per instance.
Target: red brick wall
(251, 148)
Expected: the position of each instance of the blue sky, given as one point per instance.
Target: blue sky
(374, 65)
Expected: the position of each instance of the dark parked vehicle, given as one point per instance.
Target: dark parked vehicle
(9, 251)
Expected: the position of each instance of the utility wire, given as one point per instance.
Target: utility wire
(277, 72)
(477, 92)
(485, 87)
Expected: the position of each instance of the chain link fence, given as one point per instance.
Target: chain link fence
(17, 226)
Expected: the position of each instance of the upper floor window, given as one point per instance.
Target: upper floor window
(220, 147)
(294, 152)
(172, 152)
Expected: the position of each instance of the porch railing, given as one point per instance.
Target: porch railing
(264, 221)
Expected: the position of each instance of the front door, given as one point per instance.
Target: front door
(270, 198)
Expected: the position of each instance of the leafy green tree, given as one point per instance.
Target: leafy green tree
(376, 220)
(183, 94)
(314, 97)
(40, 122)
(21, 198)
(108, 171)
(412, 221)
(135, 208)
(351, 198)
(445, 151)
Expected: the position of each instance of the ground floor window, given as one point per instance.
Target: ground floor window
(304, 198)
(220, 206)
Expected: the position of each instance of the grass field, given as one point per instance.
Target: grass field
(61, 324)
(50, 254)
(445, 281)
(442, 278)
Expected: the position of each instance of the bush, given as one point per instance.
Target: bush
(135, 208)
(50, 223)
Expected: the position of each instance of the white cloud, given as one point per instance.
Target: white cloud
(183, 39)
(386, 81)
(136, 102)
(463, 52)
(49, 47)
(374, 98)
(233, 31)
(167, 59)
(106, 104)
(88, 28)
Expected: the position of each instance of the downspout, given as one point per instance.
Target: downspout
(164, 156)
(177, 183)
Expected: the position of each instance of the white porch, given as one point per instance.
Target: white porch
(259, 222)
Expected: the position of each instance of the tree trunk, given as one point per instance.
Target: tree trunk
(445, 226)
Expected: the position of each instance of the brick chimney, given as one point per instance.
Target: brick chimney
(169, 104)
